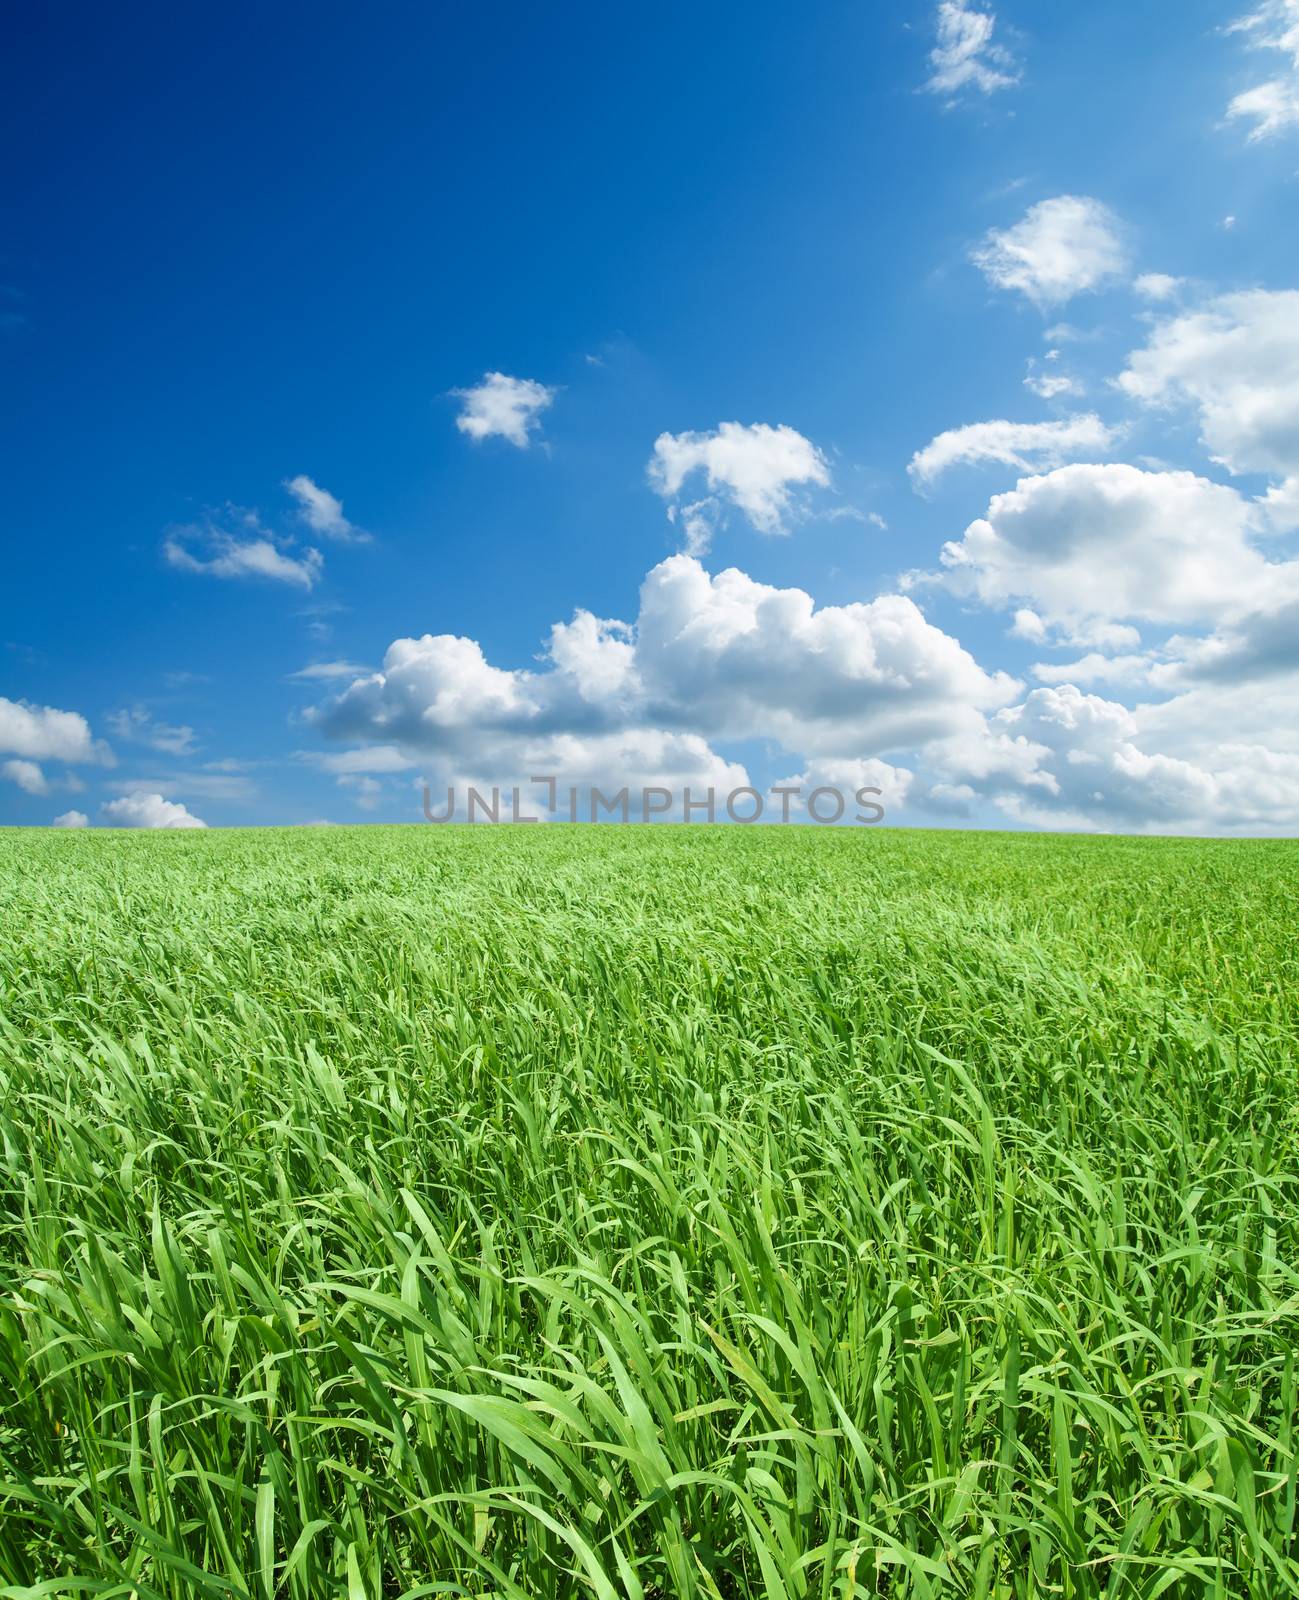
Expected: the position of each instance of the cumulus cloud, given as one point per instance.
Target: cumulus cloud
(1250, 647)
(322, 512)
(1236, 361)
(965, 55)
(1089, 542)
(860, 783)
(1103, 765)
(71, 819)
(251, 553)
(1273, 105)
(27, 775)
(1279, 507)
(1024, 445)
(143, 810)
(710, 657)
(1059, 248)
(503, 406)
(597, 654)
(742, 659)
(753, 468)
(43, 733)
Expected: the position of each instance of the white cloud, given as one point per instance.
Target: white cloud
(508, 407)
(1157, 285)
(71, 819)
(1109, 542)
(752, 467)
(27, 775)
(1051, 385)
(873, 695)
(137, 725)
(849, 778)
(965, 55)
(1237, 361)
(709, 657)
(597, 654)
(322, 512)
(741, 659)
(580, 765)
(1061, 247)
(1272, 106)
(319, 670)
(43, 733)
(1094, 668)
(373, 758)
(699, 521)
(1252, 646)
(231, 556)
(1181, 766)
(1067, 333)
(142, 810)
(1024, 445)
(1028, 625)
(1280, 506)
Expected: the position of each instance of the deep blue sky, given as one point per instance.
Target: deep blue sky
(239, 244)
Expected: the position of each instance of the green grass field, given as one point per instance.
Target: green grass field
(647, 1212)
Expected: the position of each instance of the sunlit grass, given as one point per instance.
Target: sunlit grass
(647, 1212)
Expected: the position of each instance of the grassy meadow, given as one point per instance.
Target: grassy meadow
(626, 1212)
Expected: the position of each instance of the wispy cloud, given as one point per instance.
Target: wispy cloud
(137, 725)
(330, 669)
(250, 553)
(1027, 446)
(323, 512)
(965, 56)
(1273, 105)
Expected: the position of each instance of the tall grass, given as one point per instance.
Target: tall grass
(647, 1212)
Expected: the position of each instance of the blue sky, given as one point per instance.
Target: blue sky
(739, 264)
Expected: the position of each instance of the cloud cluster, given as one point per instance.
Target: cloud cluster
(710, 657)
